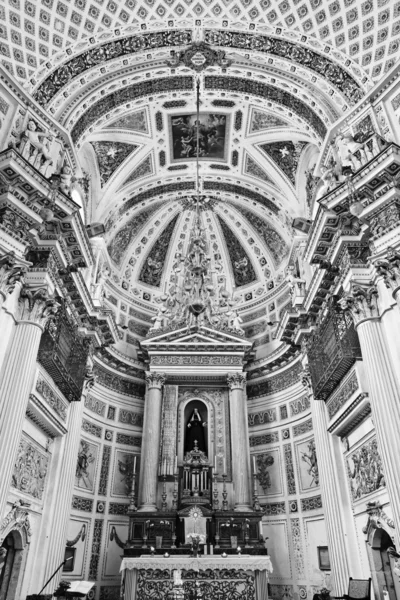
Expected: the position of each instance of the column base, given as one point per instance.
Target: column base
(148, 508)
(243, 508)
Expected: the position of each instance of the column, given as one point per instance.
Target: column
(343, 551)
(11, 282)
(362, 303)
(57, 530)
(17, 376)
(151, 442)
(240, 442)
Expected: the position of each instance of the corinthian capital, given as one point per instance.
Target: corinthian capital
(37, 306)
(361, 303)
(154, 380)
(236, 380)
(10, 273)
(389, 268)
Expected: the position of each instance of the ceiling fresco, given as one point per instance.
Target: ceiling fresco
(120, 77)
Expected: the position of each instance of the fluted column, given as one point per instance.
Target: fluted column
(151, 442)
(17, 376)
(11, 282)
(240, 442)
(343, 550)
(62, 497)
(383, 386)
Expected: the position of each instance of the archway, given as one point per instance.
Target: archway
(196, 420)
(12, 559)
(381, 564)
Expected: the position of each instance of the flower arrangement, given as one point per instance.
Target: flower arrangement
(198, 538)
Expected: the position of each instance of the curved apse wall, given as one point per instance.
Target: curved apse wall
(111, 438)
(283, 453)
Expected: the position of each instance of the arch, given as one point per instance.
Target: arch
(195, 421)
(182, 425)
(379, 532)
(15, 534)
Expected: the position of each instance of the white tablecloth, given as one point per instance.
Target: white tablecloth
(247, 563)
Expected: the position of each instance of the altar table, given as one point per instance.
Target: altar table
(151, 576)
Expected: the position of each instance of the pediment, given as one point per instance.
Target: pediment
(197, 338)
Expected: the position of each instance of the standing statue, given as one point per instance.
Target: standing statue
(40, 141)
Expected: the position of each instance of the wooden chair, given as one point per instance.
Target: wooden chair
(359, 589)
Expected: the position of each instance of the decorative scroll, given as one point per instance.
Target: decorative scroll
(196, 360)
(95, 405)
(311, 503)
(266, 438)
(300, 405)
(232, 583)
(131, 418)
(51, 398)
(291, 482)
(340, 397)
(260, 418)
(83, 504)
(91, 428)
(105, 467)
(96, 547)
(304, 427)
(297, 547)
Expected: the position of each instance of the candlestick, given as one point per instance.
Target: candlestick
(215, 492)
(256, 504)
(164, 495)
(175, 492)
(132, 505)
(224, 493)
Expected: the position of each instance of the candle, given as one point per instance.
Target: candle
(176, 463)
(134, 464)
(215, 463)
(254, 465)
(225, 465)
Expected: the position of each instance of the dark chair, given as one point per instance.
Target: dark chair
(359, 589)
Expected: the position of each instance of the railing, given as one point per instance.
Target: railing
(333, 350)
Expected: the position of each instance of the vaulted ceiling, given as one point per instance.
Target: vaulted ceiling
(104, 71)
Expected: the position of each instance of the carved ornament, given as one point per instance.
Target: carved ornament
(236, 381)
(155, 380)
(37, 306)
(390, 269)
(361, 303)
(17, 520)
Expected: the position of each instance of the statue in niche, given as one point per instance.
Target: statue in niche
(195, 432)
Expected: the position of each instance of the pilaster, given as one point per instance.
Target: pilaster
(384, 391)
(342, 546)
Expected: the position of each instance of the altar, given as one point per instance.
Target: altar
(233, 577)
